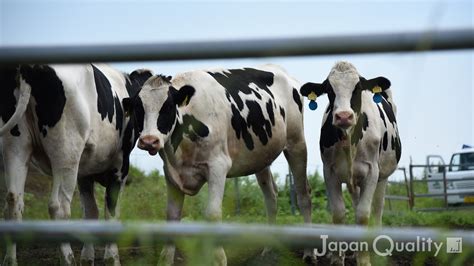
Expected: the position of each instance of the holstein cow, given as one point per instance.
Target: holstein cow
(69, 123)
(360, 145)
(209, 125)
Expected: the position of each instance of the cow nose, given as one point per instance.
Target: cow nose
(344, 118)
(149, 143)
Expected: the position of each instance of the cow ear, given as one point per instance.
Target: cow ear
(182, 96)
(372, 84)
(312, 91)
(127, 106)
(377, 86)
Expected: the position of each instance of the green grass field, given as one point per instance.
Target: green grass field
(144, 199)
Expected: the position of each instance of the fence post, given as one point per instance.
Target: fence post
(411, 200)
(292, 192)
(445, 188)
(3, 186)
(237, 196)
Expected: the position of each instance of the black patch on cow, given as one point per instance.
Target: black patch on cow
(261, 127)
(382, 116)
(397, 146)
(237, 81)
(297, 99)
(128, 142)
(389, 111)
(8, 77)
(385, 141)
(330, 134)
(105, 97)
(271, 115)
(257, 94)
(15, 131)
(362, 124)
(118, 115)
(356, 99)
(112, 183)
(48, 91)
(191, 127)
(240, 127)
(135, 81)
(167, 115)
(282, 112)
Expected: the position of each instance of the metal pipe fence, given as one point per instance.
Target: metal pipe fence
(445, 193)
(106, 232)
(304, 46)
(219, 233)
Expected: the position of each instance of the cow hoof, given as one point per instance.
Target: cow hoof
(266, 251)
(9, 261)
(111, 261)
(336, 260)
(310, 260)
(67, 261)
(87, 262)
(167, 255)
(309, 257)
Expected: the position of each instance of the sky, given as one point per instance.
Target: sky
(433, 90)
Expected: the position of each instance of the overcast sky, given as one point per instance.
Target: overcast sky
(433, 90)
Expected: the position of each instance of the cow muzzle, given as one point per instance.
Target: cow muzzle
(344, 119)
(150, 144)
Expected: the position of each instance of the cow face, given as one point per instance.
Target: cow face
(344, 87)
(158, 101)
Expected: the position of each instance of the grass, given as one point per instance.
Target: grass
(144, 199)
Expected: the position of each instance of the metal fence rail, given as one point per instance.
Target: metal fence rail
(371, 43)
(261, 235)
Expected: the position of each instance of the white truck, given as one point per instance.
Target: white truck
(459, 176)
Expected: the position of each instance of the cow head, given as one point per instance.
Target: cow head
(344, 88)
(157, 104)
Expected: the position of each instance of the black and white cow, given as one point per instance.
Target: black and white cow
(209, 125)
(359, 144)
(70, 124)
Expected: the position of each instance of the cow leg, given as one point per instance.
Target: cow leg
(64, 183)
(364, 207)
(173, 213)
(16, 154)
(378, 201)
(112, 193)
(338, 208)
(90, 212)
(296, 155)
(270, 190)
(216, 183)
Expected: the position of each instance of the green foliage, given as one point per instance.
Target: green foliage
(144, 199)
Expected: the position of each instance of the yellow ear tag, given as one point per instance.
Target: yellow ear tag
(376, 89)
(312, 96)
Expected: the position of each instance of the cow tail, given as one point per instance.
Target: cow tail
(23, 99)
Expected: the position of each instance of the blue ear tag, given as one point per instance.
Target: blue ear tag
(313, 105)
(377, 97)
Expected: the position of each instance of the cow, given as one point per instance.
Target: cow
(360, 145)
(208, 125)
(68, 122)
